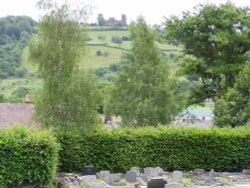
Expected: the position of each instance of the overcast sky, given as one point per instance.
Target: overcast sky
(153, 11)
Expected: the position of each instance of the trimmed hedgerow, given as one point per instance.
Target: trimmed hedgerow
(27, 157)
(171, 148)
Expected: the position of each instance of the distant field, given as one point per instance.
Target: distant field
(98, 41)
(8, 86)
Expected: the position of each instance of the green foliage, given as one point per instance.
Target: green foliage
(68, 96)
(15, 31)
(116, 40)
(2, 98)
(233, 109)
(217, 38)
(21, 92)
(172, 148)
(28, 157)
(144, 92)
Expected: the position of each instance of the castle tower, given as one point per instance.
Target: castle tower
(124, 20)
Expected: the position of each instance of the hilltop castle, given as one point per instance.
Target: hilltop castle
(111, 21)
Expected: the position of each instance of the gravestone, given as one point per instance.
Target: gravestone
(198, 172)
(136, 170)
(89, 178)
(246, 171)
(105, 176)
(156, 183)
(115, 177)
(88, 170)
(130, 177)
(150, 172)
(177, 176)
(174, 185)
(211, 173)
(98, 185)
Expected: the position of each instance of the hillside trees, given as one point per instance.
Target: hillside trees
(15, 31)
(234, 107)
(69, 96)
(217, 39)
(143, 94)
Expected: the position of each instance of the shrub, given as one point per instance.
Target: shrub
(27, 157)
(98, 53)
(171, 148)
(117, 40)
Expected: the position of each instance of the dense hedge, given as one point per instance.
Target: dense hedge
(171, 148)
(27, 157)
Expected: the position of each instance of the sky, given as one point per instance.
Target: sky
(153, 11)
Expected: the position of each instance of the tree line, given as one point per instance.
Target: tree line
(215, 41)
(15, 31)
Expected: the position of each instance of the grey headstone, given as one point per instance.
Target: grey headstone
(174, 185)
(105, 176)
(115, 178)
(136, 170)
(151, 172)
(89, 178)
(211, 173)
(177, 176)
(99, 185)
(246, 171)
(198, 172)
(130, 177)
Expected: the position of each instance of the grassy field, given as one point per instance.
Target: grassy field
(99, 41)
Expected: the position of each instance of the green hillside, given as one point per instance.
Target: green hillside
(100, 53)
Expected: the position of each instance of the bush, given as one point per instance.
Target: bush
(171, 148)
(117, 40)
(27, 157)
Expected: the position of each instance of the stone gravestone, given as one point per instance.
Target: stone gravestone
(177, 176)
(198, 172)
(246, 171)
(98, 185)
(130, 177)
(88, 170)
(89, 178)
(156, 183)
(116, 179)
(136, 170)
(105, 176)
(174, 185)
(150, 172)
(211, 173)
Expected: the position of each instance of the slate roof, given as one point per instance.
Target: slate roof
(11, 114)
(197, 112)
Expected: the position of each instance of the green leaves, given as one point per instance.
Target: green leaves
(21, 159)
(69, 97)
(143, 94)
(233, 108)
(169, 147)
(216, 37)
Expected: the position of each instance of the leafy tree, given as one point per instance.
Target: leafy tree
(2, 98)
(143, 94)
(233, 109)
(117, 40)
(67, 96)
(217, 38)
(15, 32)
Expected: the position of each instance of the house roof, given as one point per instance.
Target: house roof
(197, 112)
(11, 114)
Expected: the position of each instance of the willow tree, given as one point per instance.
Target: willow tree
(57, 49)
(143, 94)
